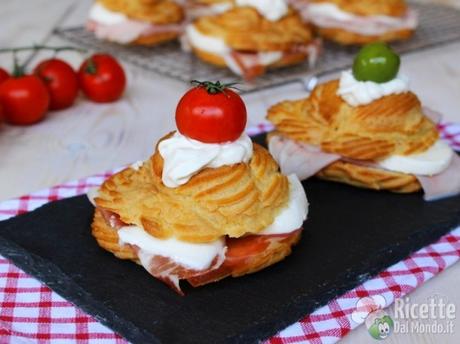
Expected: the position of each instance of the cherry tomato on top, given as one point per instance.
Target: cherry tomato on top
(25, 99)
(102, 79)
(4, 75)
(211, 113)
(61, 81)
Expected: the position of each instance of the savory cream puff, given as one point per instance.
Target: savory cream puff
(367, 134)
(359, 22)
(138, 22)
(201, 211)
(252, 38)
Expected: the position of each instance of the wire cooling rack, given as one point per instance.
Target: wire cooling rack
(438, 25)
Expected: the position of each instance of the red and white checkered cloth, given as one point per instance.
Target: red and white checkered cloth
(30, 312)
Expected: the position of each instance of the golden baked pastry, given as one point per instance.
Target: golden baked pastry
(243, 28)
(152, 11)
(368, 15)
(350, 38)
(147, 22)
(392, 125)
(251, 195)
(247, 33)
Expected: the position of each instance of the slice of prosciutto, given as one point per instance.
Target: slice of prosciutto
(299, 158)
(306, 160)
(328, 15)
(130, 30)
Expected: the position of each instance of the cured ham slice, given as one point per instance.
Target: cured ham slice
(442, 185)
(333, 17)
(130, 30)
(170, 272)
(299, 158)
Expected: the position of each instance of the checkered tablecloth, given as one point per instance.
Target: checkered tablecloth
(32, 313)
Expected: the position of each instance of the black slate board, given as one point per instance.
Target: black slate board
(351, 234)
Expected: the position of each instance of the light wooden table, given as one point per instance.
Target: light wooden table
(90, 138)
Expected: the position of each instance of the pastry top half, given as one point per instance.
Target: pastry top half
(392, 125)
(152, 11)
(392, 8)
(231, 200)
(245, 29)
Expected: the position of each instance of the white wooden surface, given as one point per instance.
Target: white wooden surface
(90, 138)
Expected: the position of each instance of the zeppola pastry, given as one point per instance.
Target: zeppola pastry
(253, 36)
(208, 204)
(138, 22)
(366, 129)
(359, 21)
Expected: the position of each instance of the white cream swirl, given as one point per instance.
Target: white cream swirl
(357, 93)
(184, 157)
(272, 10)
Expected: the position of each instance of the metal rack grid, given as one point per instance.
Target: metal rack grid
(438, 25)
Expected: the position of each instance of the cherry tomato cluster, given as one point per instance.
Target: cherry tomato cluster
(54, 85)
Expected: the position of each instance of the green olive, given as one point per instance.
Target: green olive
(376, 62)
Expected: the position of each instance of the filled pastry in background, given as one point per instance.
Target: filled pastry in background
(253, 37)
(208, 204)
(359, 21)
(138, 22)
(366, 129)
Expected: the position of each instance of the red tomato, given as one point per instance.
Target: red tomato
(102, 79)
(61, 81)
(4, 75)
(25, 99)
(211, 113)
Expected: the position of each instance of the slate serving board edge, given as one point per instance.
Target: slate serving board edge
(46, 272)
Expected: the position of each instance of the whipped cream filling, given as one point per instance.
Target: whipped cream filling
(272, 10)
(431, 162)
(184, 157)
(217, 46)
(329, 15)
(102, 15)
(357, 93)
(191, 255)
(294, 214)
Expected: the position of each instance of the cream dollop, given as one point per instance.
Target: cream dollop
(329, 15)
(272, 10)
(102, 15)
(294, 214)
(431, 162)
(357, 93)
(190, 255)
(184, 157)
